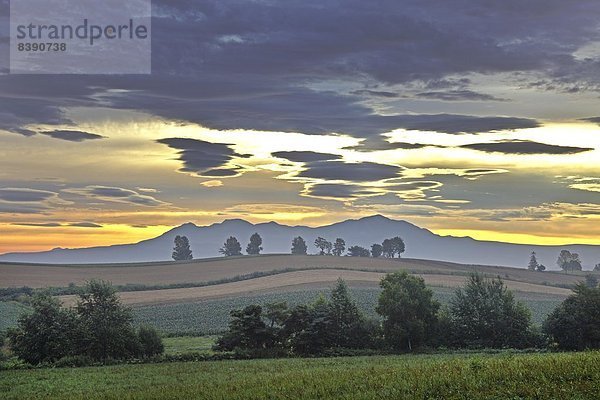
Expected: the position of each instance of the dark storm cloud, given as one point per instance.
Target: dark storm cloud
(359, 172)
(458, 95)
(116, 194)
(524, 147)
(257, 65)
(203, 158)
(305, 156)
(72, 136)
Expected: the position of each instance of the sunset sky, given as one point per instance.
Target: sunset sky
(469, 118)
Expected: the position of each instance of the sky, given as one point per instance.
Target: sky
(467, 117)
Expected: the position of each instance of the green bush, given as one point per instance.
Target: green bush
(151, 343)
(575, 324)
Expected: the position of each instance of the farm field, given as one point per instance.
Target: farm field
(473, 376)
(212, 316)
(289, 280)
(205, 270)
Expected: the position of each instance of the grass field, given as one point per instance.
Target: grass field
(189, 344)
(501, 376)
(212, 316)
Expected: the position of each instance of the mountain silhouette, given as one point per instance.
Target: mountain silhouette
(205, 242)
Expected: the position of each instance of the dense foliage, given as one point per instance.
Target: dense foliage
(99, 328)
(575, 324)
(485, 314)
(304, 329)
(408, 309)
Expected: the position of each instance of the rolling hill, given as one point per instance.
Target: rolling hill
(420, 243)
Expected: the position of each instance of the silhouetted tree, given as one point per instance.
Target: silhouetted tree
(323, 245)
(597, 267)
(393, 246)
(575, 324)
(376, 250)
(339, 247)
(357, 251)
(182, 250)
(231, 247)
(533, 264)
(254, 247)
(408, 310)
(568, 261)
(299, 246)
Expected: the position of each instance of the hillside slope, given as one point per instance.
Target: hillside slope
(420, 243)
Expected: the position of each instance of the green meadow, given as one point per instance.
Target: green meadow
(473, 376)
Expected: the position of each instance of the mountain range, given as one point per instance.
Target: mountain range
(421, 243)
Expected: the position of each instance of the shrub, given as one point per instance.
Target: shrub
(575, 324)
(151, 343)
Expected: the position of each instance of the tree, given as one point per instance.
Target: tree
(591, 281)
(408, 310)
(150, 341)
(568, 261)
(533, 264)
(485, 314)
(254, 247)
(541, 268)
(597, 267)
(182, 251)
(347, 320)
(231, 247)
(376, 250)
(44, 335)
(393, 246)
(575, 324)
(247, 330)
(357, 251)
(299, 246)
(339, 247)
(323, 245)
(105, 325)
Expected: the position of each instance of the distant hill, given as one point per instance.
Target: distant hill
(420, 243)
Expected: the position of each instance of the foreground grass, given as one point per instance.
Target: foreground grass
(504, 376)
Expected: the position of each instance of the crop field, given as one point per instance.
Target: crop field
(41, 275)
(9, 313)
(212, 316)
(288, 280)
(478, 376)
